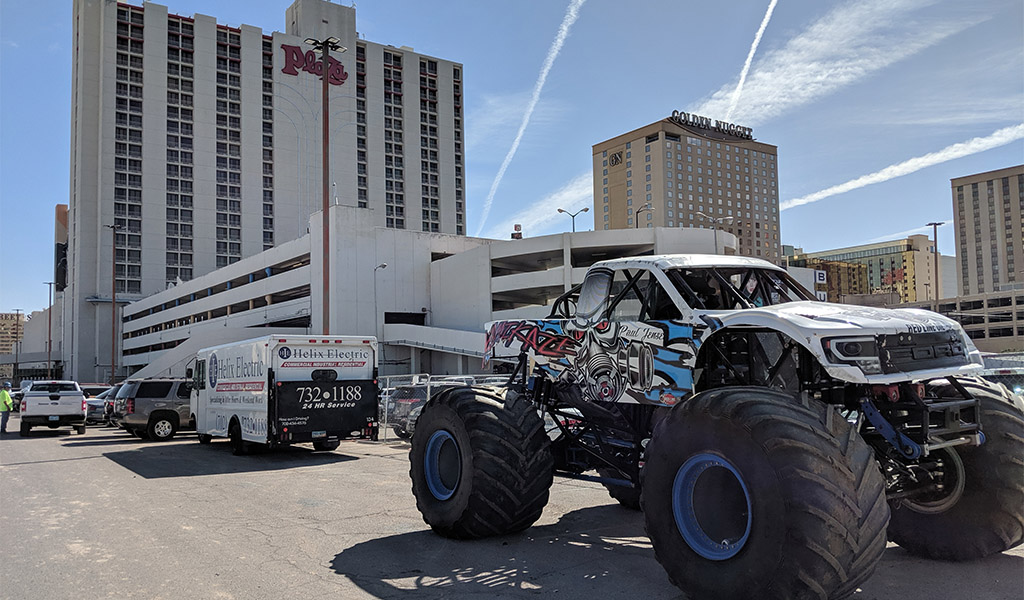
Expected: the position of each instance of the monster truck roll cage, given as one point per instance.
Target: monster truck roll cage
(909, 425)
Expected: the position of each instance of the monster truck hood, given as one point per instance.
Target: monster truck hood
(812, 323)
(847, 319)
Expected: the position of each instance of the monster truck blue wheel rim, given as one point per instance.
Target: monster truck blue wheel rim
(442, 465)
(711, 506)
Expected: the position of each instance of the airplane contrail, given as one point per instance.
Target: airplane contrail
(750, 58)
(998, 138)
(571, 14)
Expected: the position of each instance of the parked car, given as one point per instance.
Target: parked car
(18, 394)
(108, 403)
(53, 403)
(94, 412)
(155, 408)
(406, 401)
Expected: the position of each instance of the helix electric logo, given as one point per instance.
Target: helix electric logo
(213, 370)
(284, 352)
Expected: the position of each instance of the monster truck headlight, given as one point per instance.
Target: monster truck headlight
(861, 352)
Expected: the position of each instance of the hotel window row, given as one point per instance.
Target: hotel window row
(179, 181)
(229, 147)
(268, 143)
(429, 170)
(128, 151)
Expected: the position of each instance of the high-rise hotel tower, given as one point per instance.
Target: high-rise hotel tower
(201, 143)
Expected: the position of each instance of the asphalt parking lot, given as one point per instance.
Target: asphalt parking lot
(106, 515)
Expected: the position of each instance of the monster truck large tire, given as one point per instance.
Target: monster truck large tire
(480, 464)
(988, 517)
(748, 492)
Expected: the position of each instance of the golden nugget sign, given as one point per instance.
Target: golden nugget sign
(295, 59)
(693, 120)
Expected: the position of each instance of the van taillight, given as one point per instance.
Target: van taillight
(129, 406)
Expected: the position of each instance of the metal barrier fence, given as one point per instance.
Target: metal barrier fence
(402, 398)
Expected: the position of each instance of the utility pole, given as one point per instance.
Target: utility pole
(49, 328)
(323, 48)
(935, 259)
(113, 300)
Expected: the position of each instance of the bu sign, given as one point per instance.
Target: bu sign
(295, 59)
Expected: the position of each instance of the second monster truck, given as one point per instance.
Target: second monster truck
(772, 441)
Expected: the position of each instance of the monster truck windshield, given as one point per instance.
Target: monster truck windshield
(734, 288)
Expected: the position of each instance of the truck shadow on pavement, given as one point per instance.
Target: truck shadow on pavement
(157, 460)
(603, 552)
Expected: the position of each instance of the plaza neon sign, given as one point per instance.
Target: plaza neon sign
(296, 60)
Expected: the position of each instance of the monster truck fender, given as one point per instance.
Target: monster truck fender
(810, 324)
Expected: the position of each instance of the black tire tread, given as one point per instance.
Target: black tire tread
(513, 468)
(993, 502)
(848, 499)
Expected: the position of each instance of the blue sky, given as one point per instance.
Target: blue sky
(874, 104)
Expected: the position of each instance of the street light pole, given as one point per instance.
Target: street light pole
(935, 259)
(323, 48)
(17, 343)
(714, 223)
(113, 300)
(49, 327)
(376, 320)
(645, 208)
(573, 215)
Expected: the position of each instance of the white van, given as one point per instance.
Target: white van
(287, 389)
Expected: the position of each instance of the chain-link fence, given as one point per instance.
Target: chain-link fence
(1012, 378)
(402, 398)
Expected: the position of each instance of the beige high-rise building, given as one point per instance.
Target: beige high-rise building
(202, 143)
(903, 267)
(988, 214)
(691, 171)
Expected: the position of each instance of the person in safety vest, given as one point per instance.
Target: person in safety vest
(6, 406)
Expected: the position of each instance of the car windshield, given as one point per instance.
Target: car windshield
(734, 288)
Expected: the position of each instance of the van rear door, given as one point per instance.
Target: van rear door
(326, 410)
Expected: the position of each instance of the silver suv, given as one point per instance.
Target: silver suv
(153, 408)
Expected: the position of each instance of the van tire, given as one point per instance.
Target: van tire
(326, 446)
(239, 447)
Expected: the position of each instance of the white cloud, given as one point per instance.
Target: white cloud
(973, 146)
(850, 43)
(571, 14)
(924, 229)
(496, 115)
(541, 216)
(750, 58)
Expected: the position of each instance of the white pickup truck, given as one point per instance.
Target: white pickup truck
(53, 404)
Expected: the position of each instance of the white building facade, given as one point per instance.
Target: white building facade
(428, 305)
(201, 143)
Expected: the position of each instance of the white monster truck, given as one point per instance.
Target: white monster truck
(772, 441)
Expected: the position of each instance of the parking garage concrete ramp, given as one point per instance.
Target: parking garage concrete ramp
(453, 341)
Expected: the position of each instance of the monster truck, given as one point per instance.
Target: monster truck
(772, 441)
